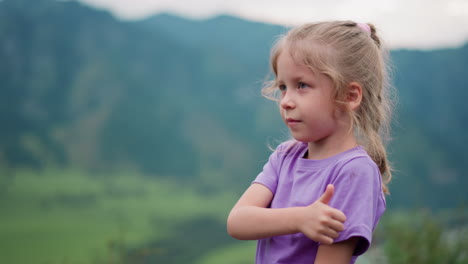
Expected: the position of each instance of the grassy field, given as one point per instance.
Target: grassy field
(60, 216)
(67, 216)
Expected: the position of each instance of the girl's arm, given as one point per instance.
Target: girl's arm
(337, 253)
(250, 219)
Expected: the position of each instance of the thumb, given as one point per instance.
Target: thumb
(328, 194)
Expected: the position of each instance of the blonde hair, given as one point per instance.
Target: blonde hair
(346, 52)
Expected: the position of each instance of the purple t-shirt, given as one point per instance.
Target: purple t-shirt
(296, 181)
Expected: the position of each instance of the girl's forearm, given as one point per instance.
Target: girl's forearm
(251, 222)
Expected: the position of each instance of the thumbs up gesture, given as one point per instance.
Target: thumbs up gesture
(319, 221)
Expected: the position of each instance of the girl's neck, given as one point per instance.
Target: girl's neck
(331, 146)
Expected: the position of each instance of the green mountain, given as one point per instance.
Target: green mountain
(429, 142)
(180, 99)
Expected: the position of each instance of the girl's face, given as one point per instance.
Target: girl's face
(306, 103)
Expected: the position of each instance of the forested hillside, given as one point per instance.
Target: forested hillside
(180, 99)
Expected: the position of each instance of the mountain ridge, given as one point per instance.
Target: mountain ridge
(183, 101)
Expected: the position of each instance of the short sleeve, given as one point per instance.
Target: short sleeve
(270, 173)
(358, 193)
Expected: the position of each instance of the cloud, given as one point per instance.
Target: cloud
(403, 23)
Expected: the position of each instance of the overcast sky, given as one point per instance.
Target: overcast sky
(420, 24)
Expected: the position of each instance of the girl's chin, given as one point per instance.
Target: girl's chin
(300, 138)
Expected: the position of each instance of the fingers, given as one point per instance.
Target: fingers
(328, 194)
(326, 197)
(325, 240)
(326, 236)
(323, 222)
(332, 229)
(336, 226)
(337, 215)
(330, 233)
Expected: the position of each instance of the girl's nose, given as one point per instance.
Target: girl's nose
(287, 102)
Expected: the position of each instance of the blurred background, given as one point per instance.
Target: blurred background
(130, 129)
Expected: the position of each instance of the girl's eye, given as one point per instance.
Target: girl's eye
(282, 87)
(302, 85)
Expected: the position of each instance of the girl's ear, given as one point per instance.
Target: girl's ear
(354, 96)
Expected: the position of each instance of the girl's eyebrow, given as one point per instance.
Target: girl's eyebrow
(294, 79)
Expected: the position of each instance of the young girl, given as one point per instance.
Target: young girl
(331, 80)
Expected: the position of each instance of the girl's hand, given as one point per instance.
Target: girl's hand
(321, 222)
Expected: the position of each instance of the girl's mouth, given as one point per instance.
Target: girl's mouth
(291, 121)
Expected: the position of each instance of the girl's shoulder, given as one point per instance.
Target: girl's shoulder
(357, 156)
(358, 165)
(356, 160)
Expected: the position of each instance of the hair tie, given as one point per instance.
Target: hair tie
(364, 27)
